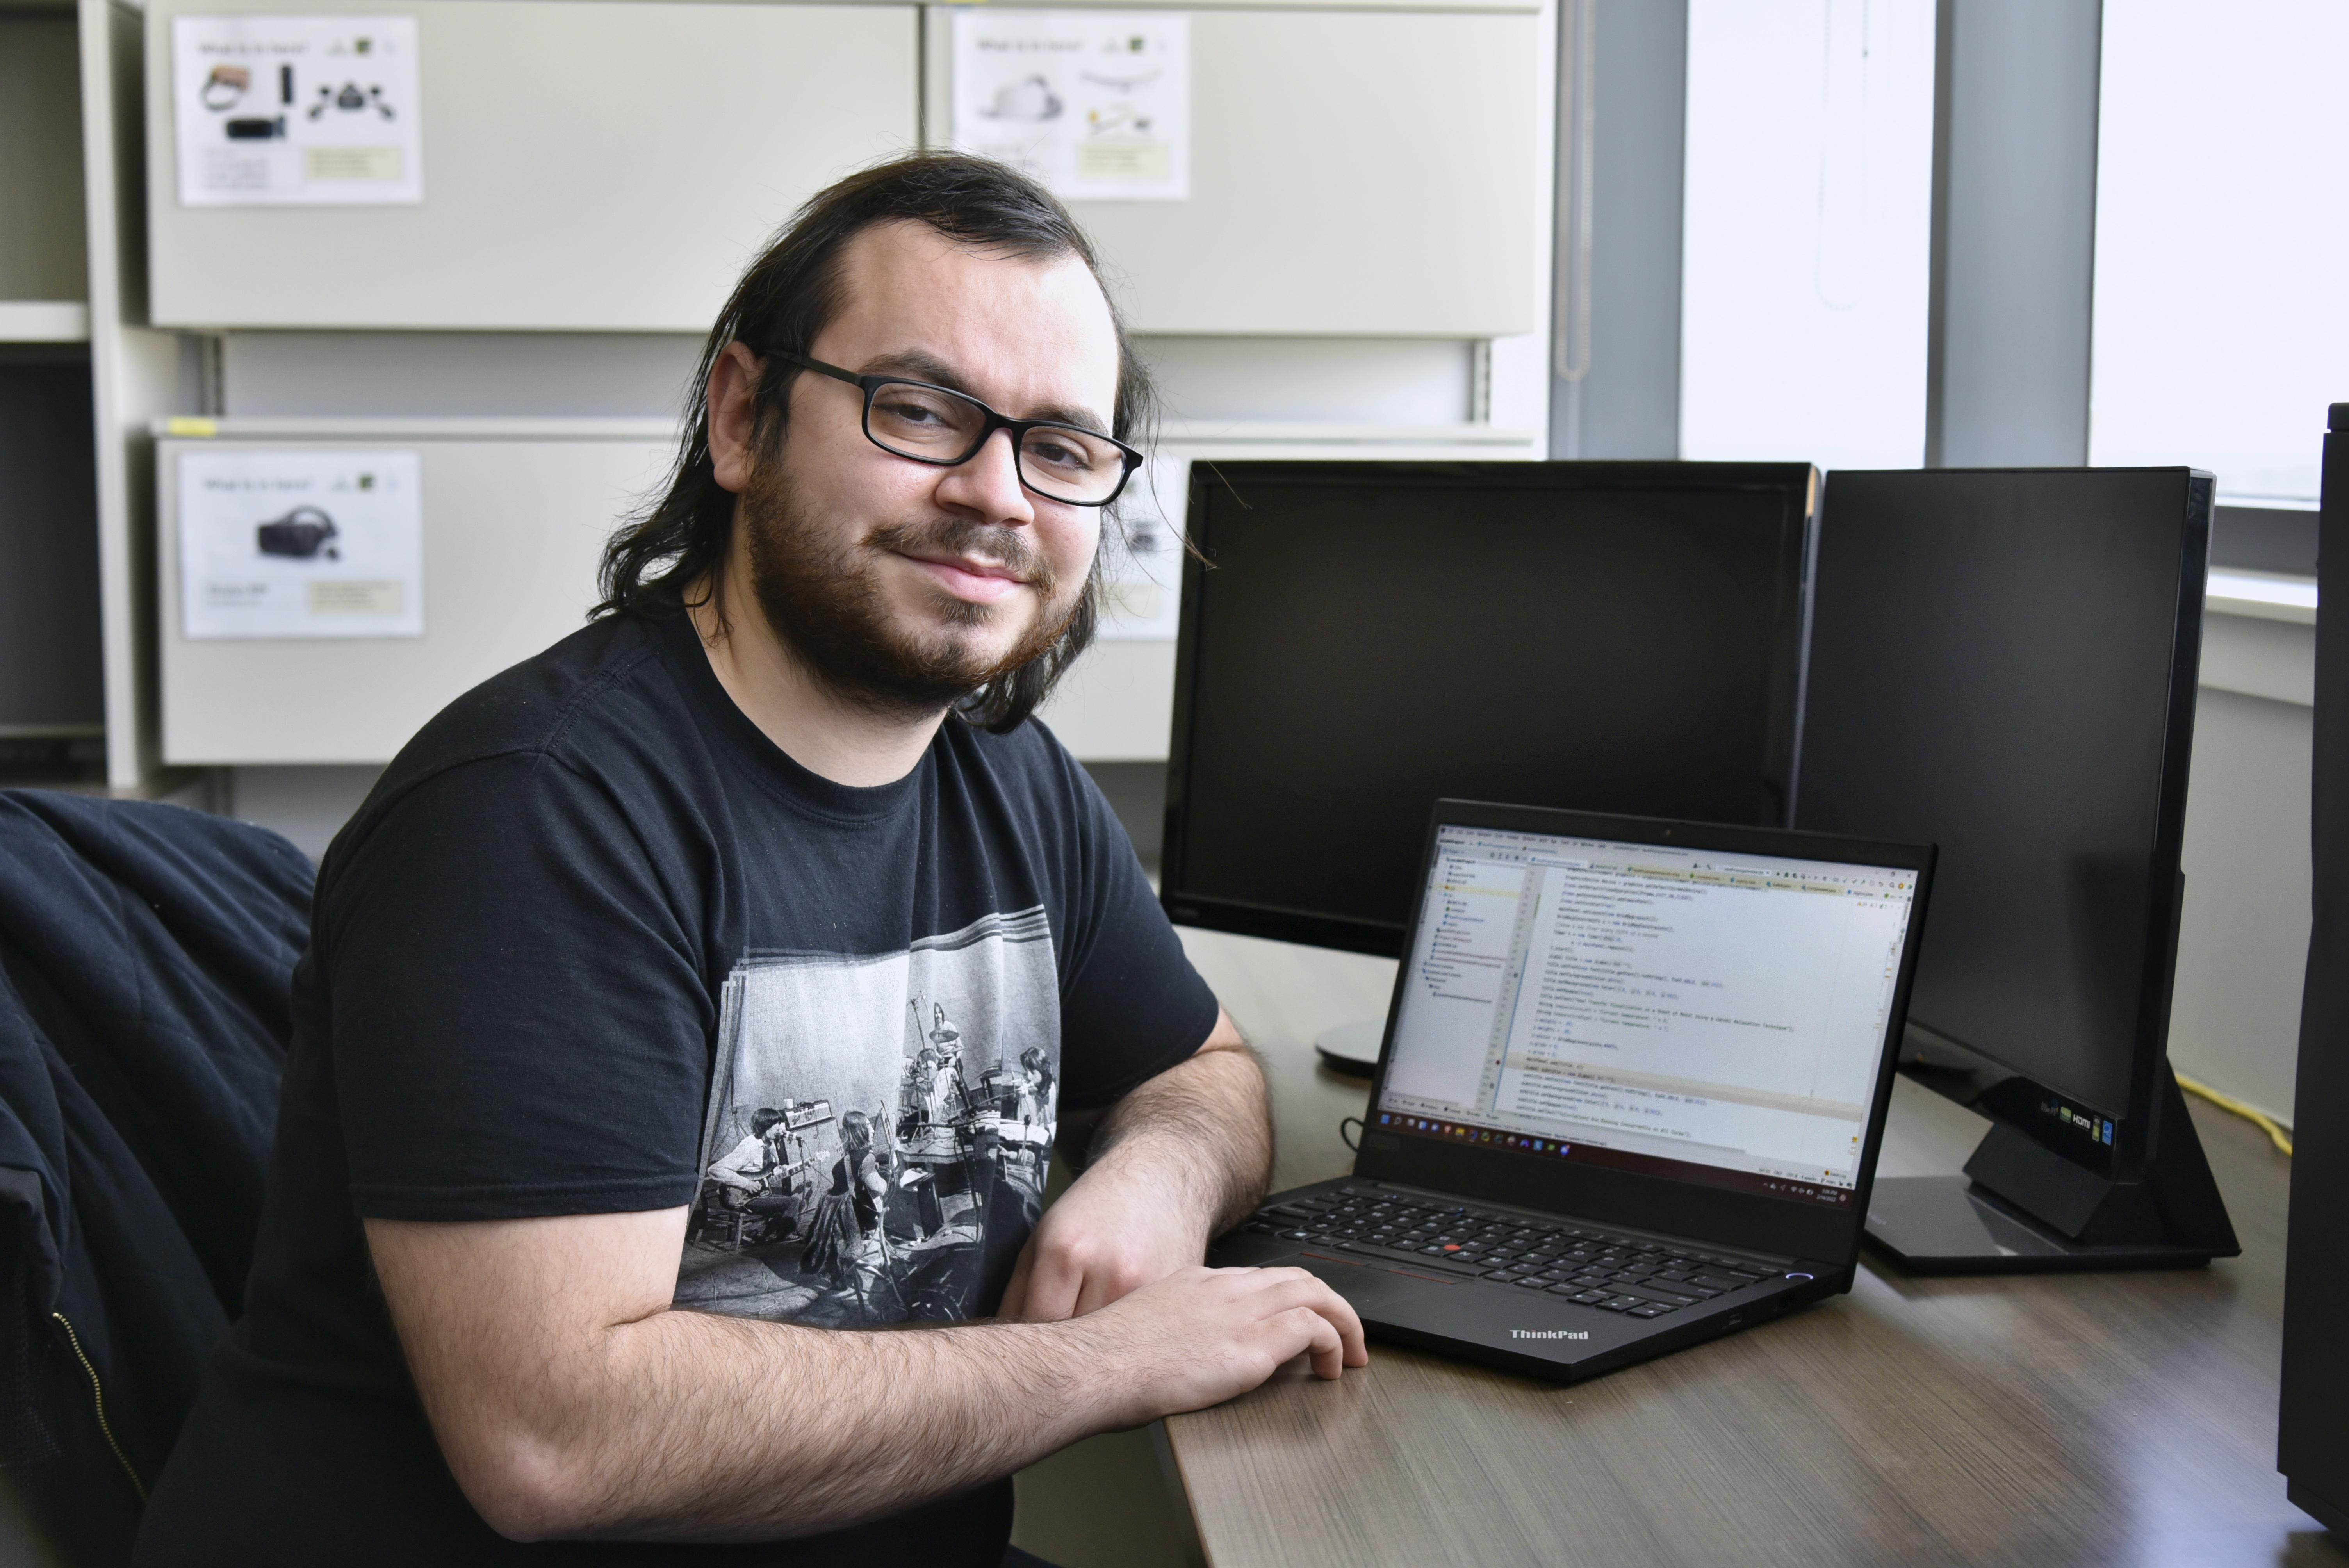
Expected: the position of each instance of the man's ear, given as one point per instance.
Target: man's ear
(734, 416)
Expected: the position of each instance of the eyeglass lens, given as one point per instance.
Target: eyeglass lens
(935, 425)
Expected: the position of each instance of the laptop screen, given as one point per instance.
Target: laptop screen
(1709, 1017)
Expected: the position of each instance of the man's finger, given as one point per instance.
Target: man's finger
(1354, 1342)
(1322, 1343)
(1298, 1288)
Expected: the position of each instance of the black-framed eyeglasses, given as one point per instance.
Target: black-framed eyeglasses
(939, 426)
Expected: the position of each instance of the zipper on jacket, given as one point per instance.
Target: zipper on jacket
(98, 1397)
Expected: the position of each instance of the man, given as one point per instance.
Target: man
(752, 1184)
(706, 851)
(743, 1168)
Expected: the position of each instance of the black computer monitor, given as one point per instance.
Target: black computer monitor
(2003, 662)
(1361, 638)
(2311, 1440)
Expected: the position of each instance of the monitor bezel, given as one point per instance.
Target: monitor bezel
(1788, 1227)
(1799, 483)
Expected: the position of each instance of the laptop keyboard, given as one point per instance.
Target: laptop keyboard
(1614, 1272)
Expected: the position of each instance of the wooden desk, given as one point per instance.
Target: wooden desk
(2086, 1419)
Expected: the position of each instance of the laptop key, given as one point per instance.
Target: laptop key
(1589, 1297)
(1652, 1309)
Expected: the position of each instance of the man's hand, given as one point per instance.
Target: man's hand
(1116, 1229)
(1201, 1335)
(1177, 1161)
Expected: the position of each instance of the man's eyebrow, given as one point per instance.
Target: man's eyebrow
(926, 366)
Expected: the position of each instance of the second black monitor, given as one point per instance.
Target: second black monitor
(1361, 638)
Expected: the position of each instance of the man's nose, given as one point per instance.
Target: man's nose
(989, 484)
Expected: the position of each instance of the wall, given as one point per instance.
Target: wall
(2235, 1012)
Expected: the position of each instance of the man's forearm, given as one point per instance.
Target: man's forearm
(713, 1429)
(1203, 1128)
(561, 1417)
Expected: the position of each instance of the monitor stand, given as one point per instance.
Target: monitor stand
(2023, 1209)
(1351, 1049)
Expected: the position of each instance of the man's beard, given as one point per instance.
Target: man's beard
(824, 601)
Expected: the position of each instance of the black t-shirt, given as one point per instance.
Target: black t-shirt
(594, 944)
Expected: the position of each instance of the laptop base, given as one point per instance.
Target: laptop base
(1464, 1311)
(1949, 1225)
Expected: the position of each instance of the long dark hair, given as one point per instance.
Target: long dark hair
(786, 299)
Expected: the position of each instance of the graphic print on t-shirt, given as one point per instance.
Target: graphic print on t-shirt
(878, 1128)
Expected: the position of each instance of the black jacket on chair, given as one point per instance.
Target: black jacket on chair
(146, 953)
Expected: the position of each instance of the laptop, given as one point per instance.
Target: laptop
(1630, 1094)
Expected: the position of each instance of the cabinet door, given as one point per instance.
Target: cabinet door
(587, 166)
(1354, 173)
(512, 530)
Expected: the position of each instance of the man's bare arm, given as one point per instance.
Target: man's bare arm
(1182, 1158)
(571, 1399)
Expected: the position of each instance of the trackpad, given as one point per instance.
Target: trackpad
(1366, 1289)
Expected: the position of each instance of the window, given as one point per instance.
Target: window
(2222, 239)
(1807, 226)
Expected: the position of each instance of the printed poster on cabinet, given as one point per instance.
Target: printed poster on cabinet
(1094, 104)
(301, 545)
(306, 112)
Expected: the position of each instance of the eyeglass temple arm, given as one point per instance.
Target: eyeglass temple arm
(818, 366)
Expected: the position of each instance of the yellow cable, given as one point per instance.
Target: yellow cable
(2276, 1132)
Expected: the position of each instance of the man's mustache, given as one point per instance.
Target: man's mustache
(972, 540)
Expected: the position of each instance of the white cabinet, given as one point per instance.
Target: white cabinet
(1368, 189)
(515, 517)
(594, 165)
(609, 165)
(1354, 173)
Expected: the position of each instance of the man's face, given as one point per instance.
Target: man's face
(909, 585)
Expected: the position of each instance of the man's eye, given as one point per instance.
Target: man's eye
(1060, 454)
(910, 413)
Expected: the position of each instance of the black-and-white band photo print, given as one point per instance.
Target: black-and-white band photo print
(879, 1128)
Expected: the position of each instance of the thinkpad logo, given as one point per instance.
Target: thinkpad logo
(1549, 1334)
